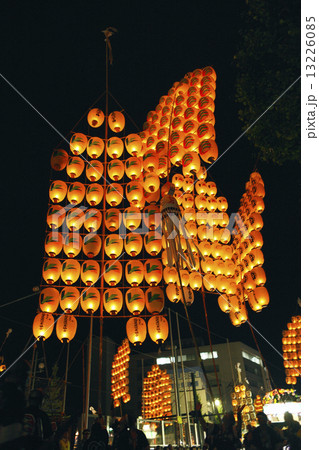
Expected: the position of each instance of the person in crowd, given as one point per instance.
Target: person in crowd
(229, 434)
(292, 432)
(265, 436)
(64, 440)
(248, 437)
(85, 437)
(211, 429)
(99, 437)
(129, 437)
(37, 424)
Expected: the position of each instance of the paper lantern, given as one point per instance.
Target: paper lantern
(133, 144)
(133, 167)
(175, 154)
(95, 117)
(95, 147)
(69, 299)
(78, 143)
(208, 150)
(112, 272)
(92, 244)
(90, 300)
(152, 217)
(153, 271)
(152, 197)
(113, 246)
(114, 194)
(72, 244)
(75, 167)
(153, 242)
(53, 243)
(136, 330)
(57, 191)
(59, 159)
(132, 218)
(92, 220)
(43, 325)
(66, 327)
(170, 275)
(151, 182)
(94, 170)
(113, 219)
(173, 292)
(195, 280)
(135, 300)
(154, 298)
(51, 270)
(188, 295)
(90, 272)
(259, 276)
(49, 300)
(133, 244)
(134, 272)
(55, 216)
(70, 271)
(94, 194)
(75, 219)
(76, 193)
(115, 169)
(134, 192)
(113, 301)
(114, 147)
(209, 281)
(116, 121)
(158, 329)
(224, 303)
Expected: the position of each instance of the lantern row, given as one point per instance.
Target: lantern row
(291, 347)
(241, 397)
(156, 394)
(120, 374)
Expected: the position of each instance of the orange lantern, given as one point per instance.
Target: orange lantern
(59, 159)
(152, 217)
(49, 300)
(90, 300)
(154, 297)
(134, 192)
(152, 197)
(113, 219)
(133, 244)
(78, 143)
(113, 246)
(114, 194)
(153, 271)
(94, 170)
(95, 147)
(191, 163)
(43, 325)
(116, 121)
(150, 161)
(75, 167)
(133, 144)
(224, 303)
(55, 216)
(170, 275)
(92, 220)
(76, 193)
(208, 150)
(136, 330)
(75, 219)
(66, 327)
(94, 194)
(95, 117)
(70, 271)
(173, 292)
(72, 244)
(259, 276)
(158, 329)
(195, 280)
(113, 272)
(51, 270)
(115, 169)
(69, 299)
(114, 147)
(151, 182)
(153, 242)
(92, 245)
(175, 154)
(132, 218)
(134, 272)
(57, 191)
(135, 300)
(133, 167)
(53, 243)
(113, 301)
(90, 272)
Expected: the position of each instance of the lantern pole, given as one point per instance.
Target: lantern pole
(31, 371)
(66, 373)
(184, 382)
(177, 429)
(88, 377)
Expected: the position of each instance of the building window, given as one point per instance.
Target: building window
(208, 355)
(252, 358)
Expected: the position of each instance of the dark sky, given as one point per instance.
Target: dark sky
(54, 54)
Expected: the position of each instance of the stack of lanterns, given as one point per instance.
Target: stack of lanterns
(258, 404)
(120, 374)
(243, 397)
(291, 347)
(156, 394)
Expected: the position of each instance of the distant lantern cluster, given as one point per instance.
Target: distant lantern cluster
(120, 374)
(156, 394)
(291, 347)
(243, 397)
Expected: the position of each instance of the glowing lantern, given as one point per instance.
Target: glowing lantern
(114, 147)
(133, 244)
(59, 159)
(176, 154)
(153, 271)
(57, 191)
(191, 163)
(53, 243)
(90, 300)
(132, 218)
(95, 117)
(90, 271)
(170, 275)
(92, 220)
(69, 299)
(72, 244)
(94, 170)
(114, 194)
(51, 270)
(49, 300)
(70, 271)
(256, 257)
(113, 219)
(208, 150)
(113, 246)
(248, 282)
(201, 202)
(173, 292)
(55, 216)
(94, 194)
(259, 276)
(188, 201)
(151, 182)
(113, 272)
(92, 245)
(188, 185)
(133, 144)
(150, 161)
(95, 147)
(116, 121)
(258, 299)
(190, 126)
(112, 301)
(134, 192)
(43, 325)
(224, 304)
(255, 222)
(66, 327)
(134, 272)
(152, 197)
(195, 280)
(188, 295)
(158, 329)
(135, 300)
(76, 193)
(153, 243)
(258, 204)
(75, 167)
(115, 169)
(78, 143)
(209, 281)
(136, 330)
(133, 167)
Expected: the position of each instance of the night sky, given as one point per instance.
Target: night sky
(54, 54)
